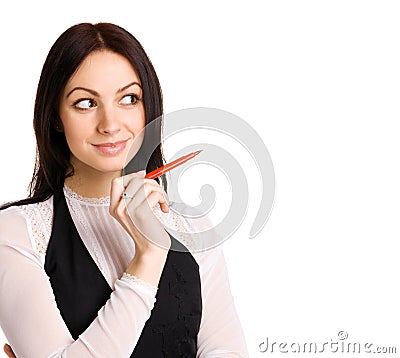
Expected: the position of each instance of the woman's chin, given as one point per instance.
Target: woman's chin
(113, 169)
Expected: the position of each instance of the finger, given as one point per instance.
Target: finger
(141, 189)
(153, 198)
(135, 185)
(9, 351)
(164, 207)
(144, 209)
(143, 192)
(128, 179)
(118, 185)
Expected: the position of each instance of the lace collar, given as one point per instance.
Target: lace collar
(70, 194)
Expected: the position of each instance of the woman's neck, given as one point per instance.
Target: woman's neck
(91, 184)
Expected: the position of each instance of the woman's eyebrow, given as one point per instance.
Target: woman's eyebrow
(129, 85)
(94, 93)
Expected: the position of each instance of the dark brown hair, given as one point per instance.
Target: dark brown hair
(70, 49)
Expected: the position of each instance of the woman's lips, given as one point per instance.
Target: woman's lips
(111, 148)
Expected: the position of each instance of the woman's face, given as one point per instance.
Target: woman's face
(101, 110)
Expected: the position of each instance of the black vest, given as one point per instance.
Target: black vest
(81, 290)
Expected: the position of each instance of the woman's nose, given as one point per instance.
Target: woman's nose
(109, 122)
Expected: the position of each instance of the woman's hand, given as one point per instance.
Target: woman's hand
(135, 214)
(7, 350)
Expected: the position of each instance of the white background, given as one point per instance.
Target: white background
(320, 82)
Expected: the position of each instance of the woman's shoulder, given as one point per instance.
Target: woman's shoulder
(42, 209)
(27, 225)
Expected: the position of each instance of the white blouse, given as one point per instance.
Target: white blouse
(29, 316)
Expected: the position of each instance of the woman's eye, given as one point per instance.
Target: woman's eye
(129, 99)
(85, 104)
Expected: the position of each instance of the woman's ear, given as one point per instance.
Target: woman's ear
(58, 125)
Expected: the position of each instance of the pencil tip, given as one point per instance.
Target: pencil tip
(195, 153)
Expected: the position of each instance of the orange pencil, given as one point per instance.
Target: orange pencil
(167, 167)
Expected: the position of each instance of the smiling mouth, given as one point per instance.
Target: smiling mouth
(111, 145)
(111, 148)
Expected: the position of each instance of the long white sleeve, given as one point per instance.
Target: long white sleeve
(31, 320)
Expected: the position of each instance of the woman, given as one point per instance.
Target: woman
(86, 265)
